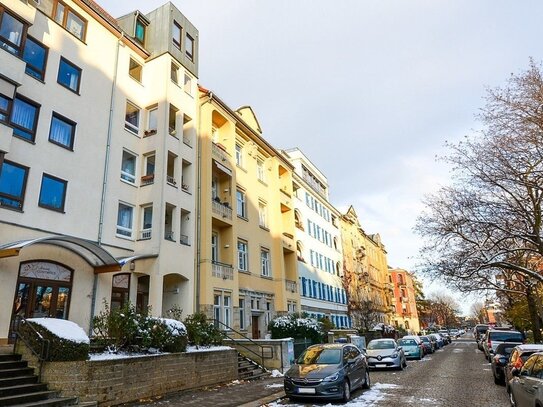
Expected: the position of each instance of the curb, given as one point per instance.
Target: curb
(264, 400)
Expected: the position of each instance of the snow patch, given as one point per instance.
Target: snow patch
(273, 386)
(63, 329)
(276, 373)
(119, 355)
(177, 328)
(193, 349)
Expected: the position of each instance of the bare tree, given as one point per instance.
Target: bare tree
(485, 230)
(477, 311)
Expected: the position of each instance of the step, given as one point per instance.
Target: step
(254, 375)
(14, 381)
(9, 357)
(22, 389)
(26, 398)
(56, 402)
(13, 364)
(6, 373)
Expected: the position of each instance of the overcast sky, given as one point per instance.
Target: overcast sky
(368, 90)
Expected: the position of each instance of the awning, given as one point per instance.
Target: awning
(96, 256)
(224, 169)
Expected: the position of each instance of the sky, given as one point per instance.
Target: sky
(370, 91)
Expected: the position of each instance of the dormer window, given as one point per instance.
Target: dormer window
(139, 34)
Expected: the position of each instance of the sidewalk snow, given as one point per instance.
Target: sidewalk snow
(276, 373)
(63, 329)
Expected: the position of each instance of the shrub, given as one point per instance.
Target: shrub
(296, 326)
(201, 332)
(60, 349)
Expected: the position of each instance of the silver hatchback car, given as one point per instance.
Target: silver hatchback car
(526, 386)
(385, 353)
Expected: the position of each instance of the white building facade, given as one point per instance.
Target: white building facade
(318, 244)
(97, 160)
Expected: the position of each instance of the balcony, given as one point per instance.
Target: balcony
(316, 186)
(222, 210)
(145, 234)
(286, 201)
(147, 179)
(291, 286)
(288, 241)
(222, 270)
(171, 180)
(219, 153)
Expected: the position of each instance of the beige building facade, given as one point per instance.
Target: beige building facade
(97, 160)
(246, 261)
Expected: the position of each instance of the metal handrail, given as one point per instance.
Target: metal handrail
(43, 353)
(262, 347)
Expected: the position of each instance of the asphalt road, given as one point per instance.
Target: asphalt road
(457, 375)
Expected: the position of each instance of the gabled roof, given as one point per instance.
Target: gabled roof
(249, 116)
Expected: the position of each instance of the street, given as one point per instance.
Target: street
(457, 375)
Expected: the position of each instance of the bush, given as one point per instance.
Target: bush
(60, 349)
(296, 326)
(201, 332)
(125, 329)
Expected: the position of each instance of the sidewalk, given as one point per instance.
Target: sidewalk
(234, 394)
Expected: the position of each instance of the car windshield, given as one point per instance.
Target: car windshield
(320, 356)
(482, 329)
(407, 342)
(506, 336)
(381, 345)
(425, 339)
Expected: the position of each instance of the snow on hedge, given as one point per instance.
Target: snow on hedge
(62, 328)
(177, 328)
(287, 321)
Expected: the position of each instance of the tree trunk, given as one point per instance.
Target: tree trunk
(534, 314)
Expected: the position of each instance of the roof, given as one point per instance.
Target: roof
(530, 347)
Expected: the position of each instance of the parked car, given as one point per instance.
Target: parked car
(494, 337)
(385, 353)
(445, 334)
(429, 343)
(479, 330)
(455, 333)
(327, 371)
(499, 361)
(438, 339)
(519, 355)
(526, 386)
(411, 348)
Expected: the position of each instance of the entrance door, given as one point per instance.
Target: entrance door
(256, 331)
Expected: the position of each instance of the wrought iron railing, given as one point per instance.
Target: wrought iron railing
(38, 345)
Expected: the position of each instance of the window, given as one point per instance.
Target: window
(222, 309)
(175, 74)
(69, 75)
(239, 155)
(187, 84)
(124, 220)
(241, 204)
(35, 56)
(176, 34)
(12, 184)
(5, 104)
(62, 131)
(189, 47)
(52, 193)
(214, 247)
(147, 222)
(242, 325)
(260, 173)
(263, 214)
(120, 290)
(265, 263)
(132, 118)
(72, 22)
(152, 121)
(128, 167)
(11, 33)
(172, 120)
(227, 301)
(135, 70)
(242, 256)
(24, 118)
(139, 32)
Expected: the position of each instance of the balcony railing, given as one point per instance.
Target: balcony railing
(184, 239)
(168, 235)
(147, 179)
(145, 234)
(291, 286)
(222, 270)
(315, 185)
(221, 209)
(171, 180)
(219, 153)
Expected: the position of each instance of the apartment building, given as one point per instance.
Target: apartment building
(97, 160)
(246, 261)
(318, 243)
(405, 306)
(365, 273)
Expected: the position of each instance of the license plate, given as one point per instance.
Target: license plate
(305, 390)
(380, 365)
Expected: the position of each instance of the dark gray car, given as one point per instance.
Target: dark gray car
(327, 371)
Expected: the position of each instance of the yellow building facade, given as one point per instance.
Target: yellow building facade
(246, 259)
(365, 273)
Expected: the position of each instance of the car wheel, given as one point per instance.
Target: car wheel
(367, 383)
(346, 391)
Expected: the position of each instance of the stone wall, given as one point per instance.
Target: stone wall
(117, 381)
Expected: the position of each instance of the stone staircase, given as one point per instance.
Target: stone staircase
(250, 370)
(19, 386)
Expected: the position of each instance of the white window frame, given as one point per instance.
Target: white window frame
(243, 255)
(263, 214)
(260, 171)
(125, 175)
(214, 247)
(187, 84)
(239, 155)
(265, 270)
(129, 126)
(124, 231)
(241, 204)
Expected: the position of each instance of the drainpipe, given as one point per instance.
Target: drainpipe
(106, 168)
(198, 202)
